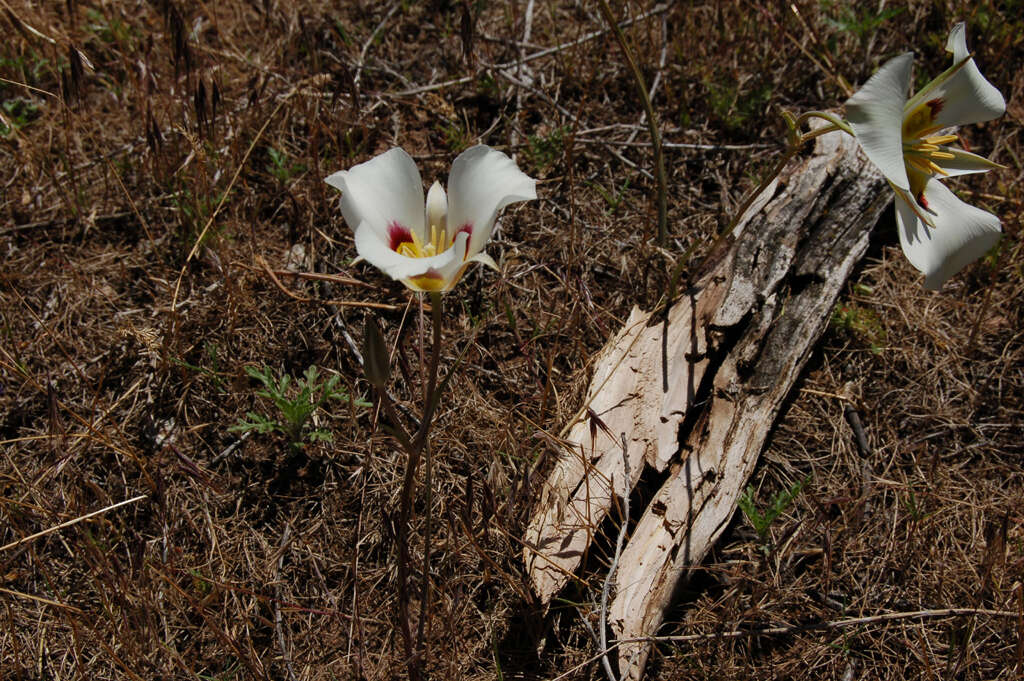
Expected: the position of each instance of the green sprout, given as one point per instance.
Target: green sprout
(762, 520)
(296, 401)
(544, 151)
(17, 113)
(280, 168)
(858, 21)
(859, 323)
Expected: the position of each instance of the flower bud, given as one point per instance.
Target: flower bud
(376, 360)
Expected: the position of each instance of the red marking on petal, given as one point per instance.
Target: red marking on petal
(922, 201)
(935, 106)
(468, 229)
(398, 235)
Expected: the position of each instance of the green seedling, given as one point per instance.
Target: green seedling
(296, 401)
(455, 137)
(543, 151)
(211, 368)
(17, 113)
(280, 167)
(762, 520)
(859, 323)
(195, 210)
(614, 201)
(112, 31)
(735, 107)
(31, 67)
(856, 20)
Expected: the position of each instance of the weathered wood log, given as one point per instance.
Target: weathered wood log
(731, 350)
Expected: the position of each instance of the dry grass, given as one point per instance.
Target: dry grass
(122, 359)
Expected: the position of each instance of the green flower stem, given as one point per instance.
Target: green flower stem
(417, 448)
(652, 121)
(399, 432)
(425, 600)
(838, 122)
(435, 357)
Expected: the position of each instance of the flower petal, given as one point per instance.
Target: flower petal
(437, 207)
(963, 94)
(481, 183)
(382, 192)
(376, 250)
(484, 259)
(875, 113)
(962, 234)
(451, 272)
(964, 163)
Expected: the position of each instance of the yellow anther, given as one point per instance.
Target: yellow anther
(922, 164)
(417, 249)
(943, 155)
(941, 139)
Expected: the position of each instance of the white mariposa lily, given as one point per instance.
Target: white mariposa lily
(908, 139)
(428, 247)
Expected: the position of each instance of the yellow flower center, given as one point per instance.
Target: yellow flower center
(922, 152)
(417, 249)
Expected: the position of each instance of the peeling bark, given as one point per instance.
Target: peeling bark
(735, 344)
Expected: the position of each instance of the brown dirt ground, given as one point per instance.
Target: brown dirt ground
(123, 360)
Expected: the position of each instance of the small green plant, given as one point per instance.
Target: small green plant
(859, 323)
(455, 137)
(113, 31)
(296, 401)
(914, 506)
(853, 18)
(544, 150)
(614, 200)
(31, 66)
(762, 520)
(280, 167)
(17, 113)
(736, 107)
(211, 368)
(194, 211)
(488, 86)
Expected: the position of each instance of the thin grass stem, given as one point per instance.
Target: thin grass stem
(652, 121)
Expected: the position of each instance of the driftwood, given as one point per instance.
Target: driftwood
(697, 395)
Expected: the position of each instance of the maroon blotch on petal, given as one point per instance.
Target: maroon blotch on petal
(398, 235)
(921, 201)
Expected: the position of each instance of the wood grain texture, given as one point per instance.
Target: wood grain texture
(735, 345)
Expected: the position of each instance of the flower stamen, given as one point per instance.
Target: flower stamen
(941, 139)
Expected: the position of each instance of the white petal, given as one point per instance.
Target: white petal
(484, 259)
(962, 234)
(376, 251)
(964, 163)
(875, 113)
(384, 190)
(451, 272)
(957, 42)
(481, 183)
(965, 96)
(437, 206)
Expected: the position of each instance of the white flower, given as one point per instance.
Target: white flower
(908, 140)
(428, 247)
